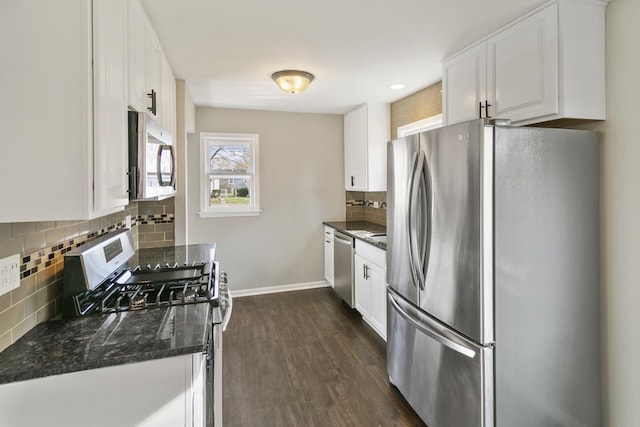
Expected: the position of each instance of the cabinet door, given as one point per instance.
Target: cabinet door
(137, 47)
(110, 104)
(154, 393)
(355, 149)
(464, 85)
(328, 256)
(168, 100)
(362, 286)
(378, 309)
(523, 68)
(196, 397)
(45, 110)
(154, 68)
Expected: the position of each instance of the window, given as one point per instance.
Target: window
(229, 175)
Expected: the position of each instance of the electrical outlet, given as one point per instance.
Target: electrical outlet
(127, 222)
(9, 273)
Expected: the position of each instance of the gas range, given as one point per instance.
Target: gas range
(108, 277)
(99, 278)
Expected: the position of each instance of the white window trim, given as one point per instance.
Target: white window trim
(429, 123)
(205, 210)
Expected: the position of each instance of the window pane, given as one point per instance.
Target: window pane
(229, 191)
(230, 158)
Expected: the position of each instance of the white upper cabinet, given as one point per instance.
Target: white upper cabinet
(137, 50)
(366, 133)
(522, 80)
(168, 99)
(110, 141)
(63, 120)
(464, 84)
(547, 65)
(152, 85)
(154, 72)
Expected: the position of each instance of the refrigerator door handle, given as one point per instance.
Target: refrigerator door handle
(430, 328)
(418, 236)
(412, 217)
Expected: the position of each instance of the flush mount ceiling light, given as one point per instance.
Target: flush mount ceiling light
(396, 86)
(292, 81)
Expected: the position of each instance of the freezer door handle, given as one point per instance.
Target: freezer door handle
(430, 328)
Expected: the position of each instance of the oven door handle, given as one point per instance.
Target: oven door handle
(228, 310)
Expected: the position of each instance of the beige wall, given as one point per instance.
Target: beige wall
(301, 185)
(620, 217)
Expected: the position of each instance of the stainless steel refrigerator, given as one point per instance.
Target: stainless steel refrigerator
(493, 274)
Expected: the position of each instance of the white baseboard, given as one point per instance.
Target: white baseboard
(275, 289)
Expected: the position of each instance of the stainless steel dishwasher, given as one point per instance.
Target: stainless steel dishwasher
(343, 266)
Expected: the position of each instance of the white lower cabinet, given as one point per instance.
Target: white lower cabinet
(163, 392)
(328, 254)
(370, 278)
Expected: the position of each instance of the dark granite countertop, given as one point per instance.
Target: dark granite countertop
(349, 227)
(70, 345)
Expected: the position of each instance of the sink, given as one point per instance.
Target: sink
(370, 235)
(379, 238)
(366, 234)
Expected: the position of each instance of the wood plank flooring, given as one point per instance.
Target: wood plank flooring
(304, 358)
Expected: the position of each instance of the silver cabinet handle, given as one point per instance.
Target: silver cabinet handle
(339, 239)
(431, 328)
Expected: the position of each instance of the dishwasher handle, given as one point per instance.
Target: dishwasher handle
(343, 239)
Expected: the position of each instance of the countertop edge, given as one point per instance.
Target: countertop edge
(44, 362)
(104, 363)
(345, 226)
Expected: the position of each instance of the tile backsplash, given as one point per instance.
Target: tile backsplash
(363, 206)
(42, 246)
(156, 224)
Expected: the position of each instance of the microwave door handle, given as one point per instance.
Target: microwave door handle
(159, 164)
(173, 167)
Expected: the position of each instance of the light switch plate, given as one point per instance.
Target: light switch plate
(9, 273)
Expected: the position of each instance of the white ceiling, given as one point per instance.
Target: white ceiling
(227, 50)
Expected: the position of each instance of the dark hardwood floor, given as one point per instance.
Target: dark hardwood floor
(304, 358)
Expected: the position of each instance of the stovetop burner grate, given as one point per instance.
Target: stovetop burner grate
(151, 287)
